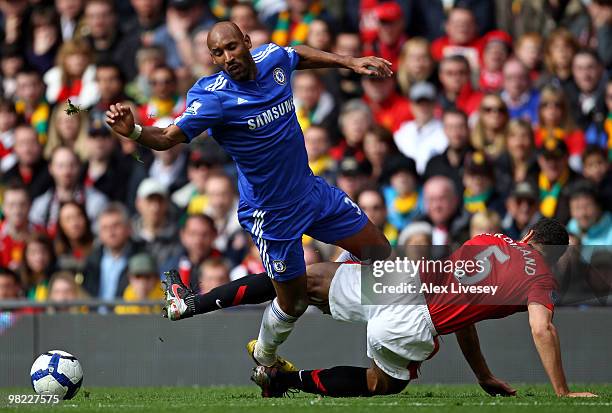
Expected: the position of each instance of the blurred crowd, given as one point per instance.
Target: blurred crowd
(499, 113)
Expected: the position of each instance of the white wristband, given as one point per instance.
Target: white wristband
(136, 132)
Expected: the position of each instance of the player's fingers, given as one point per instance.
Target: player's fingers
(383, 69)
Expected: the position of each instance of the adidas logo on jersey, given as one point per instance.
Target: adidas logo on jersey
(241, 101)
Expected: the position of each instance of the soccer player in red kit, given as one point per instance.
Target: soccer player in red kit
(504, 277)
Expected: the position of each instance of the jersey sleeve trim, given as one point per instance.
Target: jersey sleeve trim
(190, 128)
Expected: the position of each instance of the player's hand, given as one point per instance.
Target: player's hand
(120, 119)
(371, 66)
(496, 387)
(580, 394)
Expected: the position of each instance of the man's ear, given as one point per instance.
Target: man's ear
(528, 236)
(247, 41)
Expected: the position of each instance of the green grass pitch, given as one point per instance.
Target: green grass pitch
(422, 398)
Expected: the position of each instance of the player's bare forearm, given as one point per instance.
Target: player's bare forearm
(121, 120)
(547, 343)
(311, 58)
(470, 347)
(161, 139)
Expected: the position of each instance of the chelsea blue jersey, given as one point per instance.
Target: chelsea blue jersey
(255, 122)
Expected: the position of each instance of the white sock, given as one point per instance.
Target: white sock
(347, 256)
(276, 325)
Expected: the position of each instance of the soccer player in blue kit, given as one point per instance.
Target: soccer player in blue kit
(248, 107)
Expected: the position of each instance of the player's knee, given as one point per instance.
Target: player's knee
(319, 277)
(380, 249)
(381, 384)
(296, 307)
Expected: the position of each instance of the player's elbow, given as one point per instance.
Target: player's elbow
(542, 330)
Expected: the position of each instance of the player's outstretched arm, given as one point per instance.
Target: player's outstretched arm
(311, 58)
(470, 347)
(121, 121)
(547, 343)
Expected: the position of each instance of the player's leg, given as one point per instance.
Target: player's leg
(341, 222)
(368, 244)
(284, 262)
(339, 381)
(250, 289)
(293, 297)
(279, 318)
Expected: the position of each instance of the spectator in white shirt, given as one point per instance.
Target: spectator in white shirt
(424, 137)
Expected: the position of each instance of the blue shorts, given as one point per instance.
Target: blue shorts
(326, 214)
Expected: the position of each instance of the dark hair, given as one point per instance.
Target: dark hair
(462, 6)
(589, 52)
(6, 105)
(4, 271)
(202, 217)
(549, 231)
(62, 244)
(45, 15)
(455, 111)
(29, 71)
(591, 150)
(455, 58)
(107, 64)
(584, 188)
(15, 186)
(27, 276)
(167, 69)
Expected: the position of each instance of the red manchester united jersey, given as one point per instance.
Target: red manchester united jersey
(493, 276)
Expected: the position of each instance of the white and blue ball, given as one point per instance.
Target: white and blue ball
(57, 373)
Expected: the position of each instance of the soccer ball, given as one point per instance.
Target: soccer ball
(57, 373)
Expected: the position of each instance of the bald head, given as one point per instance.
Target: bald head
(229, 48)
(222, 32)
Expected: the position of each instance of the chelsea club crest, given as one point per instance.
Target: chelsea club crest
(279, 266)
(279, 76)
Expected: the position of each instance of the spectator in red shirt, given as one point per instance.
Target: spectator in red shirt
(15, 228)
(390, 109)
(457, 91)
(390, 34)
(461, 37)
(497, 46)
(31, 169)
(355, 119)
